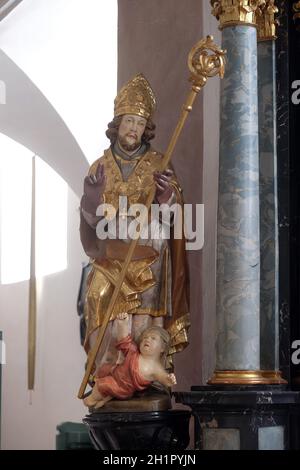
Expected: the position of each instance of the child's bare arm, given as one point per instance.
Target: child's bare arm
(164, 378)
(122, 325)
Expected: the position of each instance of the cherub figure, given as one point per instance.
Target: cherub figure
(142, 365)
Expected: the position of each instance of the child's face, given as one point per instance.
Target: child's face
(151, 344)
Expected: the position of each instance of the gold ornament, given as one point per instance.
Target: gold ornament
(235, 12)
(266, 24)
(206, 60)
(136, 97)
(296, 8)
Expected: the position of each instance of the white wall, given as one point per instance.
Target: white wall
(60, 358)
(30, 119)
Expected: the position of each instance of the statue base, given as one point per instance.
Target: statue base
(142, 423)
(149, 430)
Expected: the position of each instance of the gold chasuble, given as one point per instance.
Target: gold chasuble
(156, 284)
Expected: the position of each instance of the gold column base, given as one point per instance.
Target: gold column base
(246, 377)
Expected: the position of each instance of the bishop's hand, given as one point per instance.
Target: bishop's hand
(93, 189)
(172, 379)
(163, 187)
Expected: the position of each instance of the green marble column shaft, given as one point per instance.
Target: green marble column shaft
(238, 243)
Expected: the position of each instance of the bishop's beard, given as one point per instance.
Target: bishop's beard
(129, 147)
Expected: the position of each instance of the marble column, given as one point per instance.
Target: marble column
(269, 302)
(241, 229)
(238, 242)
(238, 268)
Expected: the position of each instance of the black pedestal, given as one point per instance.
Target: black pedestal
(159, 431)
(243, 418)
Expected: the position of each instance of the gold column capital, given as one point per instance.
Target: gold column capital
(236, 12)
(266, 23)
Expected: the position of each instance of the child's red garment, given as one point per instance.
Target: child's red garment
(122, 380)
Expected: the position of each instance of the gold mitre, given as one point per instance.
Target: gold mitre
(136, 97)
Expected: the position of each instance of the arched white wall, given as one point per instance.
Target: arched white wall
(68, 49)
(30, 119)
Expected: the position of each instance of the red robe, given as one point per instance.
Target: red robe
(121, 381)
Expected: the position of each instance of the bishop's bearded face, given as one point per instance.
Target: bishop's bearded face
(130, 132)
